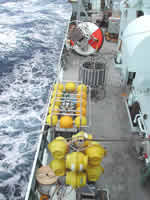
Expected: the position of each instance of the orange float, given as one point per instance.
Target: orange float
(83, 103)
(44, 197)
(83, 111)
(66, 122)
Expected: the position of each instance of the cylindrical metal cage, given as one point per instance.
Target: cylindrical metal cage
(92, 74)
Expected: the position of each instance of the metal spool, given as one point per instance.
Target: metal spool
(92, 74)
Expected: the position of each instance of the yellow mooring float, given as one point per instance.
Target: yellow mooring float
(75, 179)
(94, 172)
(95, 153)
(58, 167)
(80, 121)
(54, 109)
(59, 86)
(82, 136)
(70, 87)
(81, 165)
(82, 87)
(76, 161)
(58, 147)
(55, 101)
(66, 122)
(81, 95)
(81, 111)
(82, 103)
(52, 120)
(57, 94)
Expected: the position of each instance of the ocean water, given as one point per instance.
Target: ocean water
(31, 38)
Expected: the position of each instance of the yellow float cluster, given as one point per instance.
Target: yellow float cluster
(79, 113)
(79, 166)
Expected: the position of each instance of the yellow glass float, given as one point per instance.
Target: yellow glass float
(83, 111)
(76, 161)
(58, 147)
(70, 87)
(66, 122)
(82, 136)
(82, 87)
(52, 120)
(58, 167)
(95, 153)
(55, 109)
(80, 121)
(59, 86)
(55, 101)
(52, 101)
(81, 95)
(75, 179)
(94, 172)
(57, 94)
(82, 103)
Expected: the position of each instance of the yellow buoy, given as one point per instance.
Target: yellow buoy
(70, 87)
(57, 94)
(58, 86)
(57, 102)
(81, 95)
(75, 179)
(58, 166)
(80, 121)
(76, 161)
(83, 111)
(95, 153)
(94, 172)
(81, 103)
(55, 109)
(82, 136)
(82, 87)
(66, 122)
(52, 120)
(52, 101)
(58, 147)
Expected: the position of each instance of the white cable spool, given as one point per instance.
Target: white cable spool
(89, 29)
(45, 178)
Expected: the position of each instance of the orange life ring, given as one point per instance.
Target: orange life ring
(96, 40)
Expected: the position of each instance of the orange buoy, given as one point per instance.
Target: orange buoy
(66, 122)
(83, 103)
(44, 197)
(82, 95)
(82, 87)
(81, 111)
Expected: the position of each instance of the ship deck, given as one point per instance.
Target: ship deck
(110, 119)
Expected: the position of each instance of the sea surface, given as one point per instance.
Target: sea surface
(31, 38)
